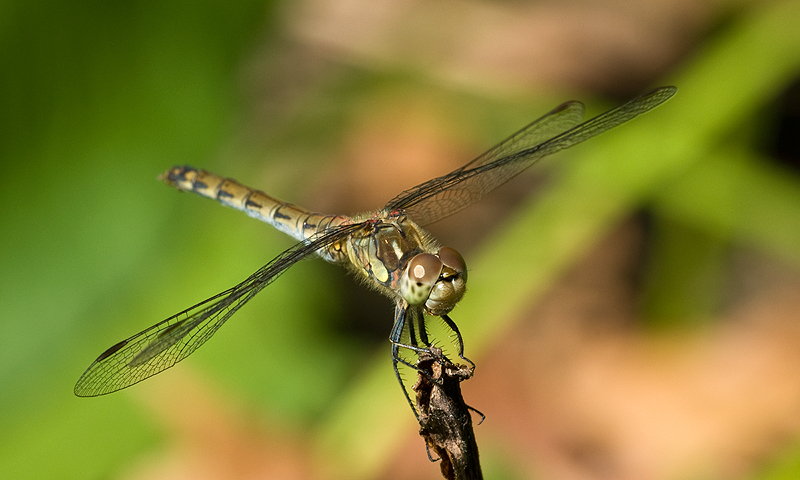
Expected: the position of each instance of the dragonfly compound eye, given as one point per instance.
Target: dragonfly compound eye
(453, 262)
(452, 283)
(419, 277)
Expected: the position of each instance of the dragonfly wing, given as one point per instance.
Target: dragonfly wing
(555, 131)
(170, 341)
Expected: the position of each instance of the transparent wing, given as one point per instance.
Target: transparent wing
(555, 131)
(170, 341)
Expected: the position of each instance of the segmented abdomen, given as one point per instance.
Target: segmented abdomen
(286, 217)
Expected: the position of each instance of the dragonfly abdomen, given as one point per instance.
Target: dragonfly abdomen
(295, 221)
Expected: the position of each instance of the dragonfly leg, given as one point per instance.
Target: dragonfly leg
(395, 359)
(459, 340)
(423, 332)
(395, 337)
(401, 319)
(412, 334)
(400, 322)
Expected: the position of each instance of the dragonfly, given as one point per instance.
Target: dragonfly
(387, 249)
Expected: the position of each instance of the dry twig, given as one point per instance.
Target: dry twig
(444, 419)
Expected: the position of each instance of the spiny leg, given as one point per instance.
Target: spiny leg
(459, 340)
(423, 332)
(394, 337)
(402, 311)
(400, 322)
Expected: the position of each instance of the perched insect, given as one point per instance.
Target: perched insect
(387, 248)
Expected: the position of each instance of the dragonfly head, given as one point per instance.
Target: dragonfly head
(437, 281)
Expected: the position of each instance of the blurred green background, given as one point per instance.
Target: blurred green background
(338, 106)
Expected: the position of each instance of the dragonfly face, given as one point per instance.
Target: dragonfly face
(388, 248)
(436, 281)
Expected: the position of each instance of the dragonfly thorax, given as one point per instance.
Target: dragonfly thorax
(400, 258)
